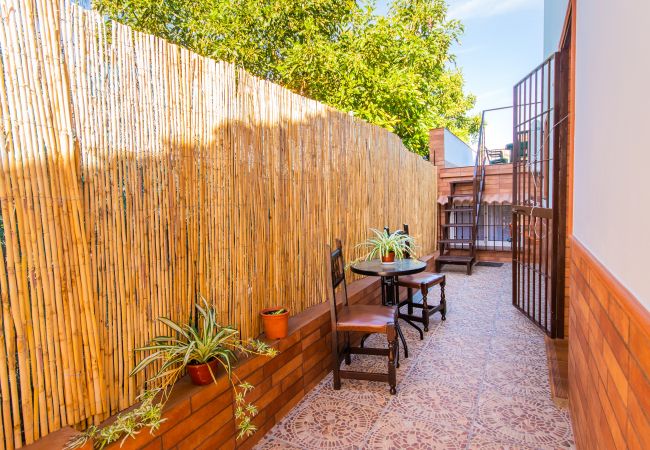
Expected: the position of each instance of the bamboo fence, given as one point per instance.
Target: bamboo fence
(136, 176)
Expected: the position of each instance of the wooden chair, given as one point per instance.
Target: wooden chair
(358, 318)
(422, 281)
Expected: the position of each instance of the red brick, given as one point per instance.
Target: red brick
(283, 358)
(612, 423)
(615, 372)
(287, 369)
(640, 385)
(638, 420)
(222, 438)
(640, 346)
(292, 378)
(197, 434)
(156, 444)
(269, 396)
(619, 318)
(310, 339)
(290, 340)
(289, 405)
(183, 428)
(219, 392)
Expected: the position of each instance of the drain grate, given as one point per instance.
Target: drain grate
(489, 264)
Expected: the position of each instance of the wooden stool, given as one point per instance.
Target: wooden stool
(422, 281)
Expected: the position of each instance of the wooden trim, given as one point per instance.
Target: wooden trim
(609, 360)
(568, 24)
(631, 305)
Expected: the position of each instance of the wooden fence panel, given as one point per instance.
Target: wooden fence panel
(136, 176)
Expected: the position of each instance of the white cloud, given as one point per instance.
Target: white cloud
(468, 9)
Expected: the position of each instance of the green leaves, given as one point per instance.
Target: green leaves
(384, 243)
(394, 71)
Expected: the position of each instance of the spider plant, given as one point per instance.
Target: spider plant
(384, 243)
(128, 424)
(205, 342)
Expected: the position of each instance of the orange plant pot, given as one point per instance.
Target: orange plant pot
(388, 258)
(201, 374)
(276, 326)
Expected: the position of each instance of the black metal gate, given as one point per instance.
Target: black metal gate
(539, 194)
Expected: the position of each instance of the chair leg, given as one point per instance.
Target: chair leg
(443, 300)
(425, 308)
(392, 350)
(409, 296)
(363, 340)
(335, 361)
(403, 339)
(348, 360)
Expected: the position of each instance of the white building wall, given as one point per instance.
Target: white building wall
(612, 138)
(457, 152)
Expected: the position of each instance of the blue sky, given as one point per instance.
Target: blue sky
(503, 41)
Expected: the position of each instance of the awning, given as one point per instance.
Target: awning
(499, 198)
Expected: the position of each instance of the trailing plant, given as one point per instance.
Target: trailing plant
(383, 243)
(198, 343)
(128, 424)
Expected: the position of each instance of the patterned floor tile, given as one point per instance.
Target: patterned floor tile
(450, 370)
(477, 381)
(436, 402)
(273, 443)
(486, 441)
(327, 422)
(534, 422)
(522, 377)
(397, 432)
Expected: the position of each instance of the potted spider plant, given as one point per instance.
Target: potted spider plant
(276, 322)
(203, 349)
(387, 246)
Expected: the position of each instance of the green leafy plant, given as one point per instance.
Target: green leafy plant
(383, 243)
(200, 344)
(191, 344)
(277, 312)
(128, 424)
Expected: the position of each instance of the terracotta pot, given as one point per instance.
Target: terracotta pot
(276, 326)
(200, 373)
(388, 258)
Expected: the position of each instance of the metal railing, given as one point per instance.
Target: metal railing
(479, 173)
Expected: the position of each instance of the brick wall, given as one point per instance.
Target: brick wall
(609, 359)
(437, 147)
(201, 417)
(498, 179)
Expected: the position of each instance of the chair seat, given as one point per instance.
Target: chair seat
(366, 318)
(427, 279)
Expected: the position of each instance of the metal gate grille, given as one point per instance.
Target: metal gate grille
(539, 194)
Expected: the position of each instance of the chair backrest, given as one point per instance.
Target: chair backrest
(336, 275)
(405, 229)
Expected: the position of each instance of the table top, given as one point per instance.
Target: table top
(376, 268)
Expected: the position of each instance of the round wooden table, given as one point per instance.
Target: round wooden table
(389, 288)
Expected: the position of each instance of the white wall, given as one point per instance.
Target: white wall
(612, 138)
(457, 152)
(554, 13)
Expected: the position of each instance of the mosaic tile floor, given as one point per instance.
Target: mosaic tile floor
(477, 381)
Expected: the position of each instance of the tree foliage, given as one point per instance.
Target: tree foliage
(395, 71)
